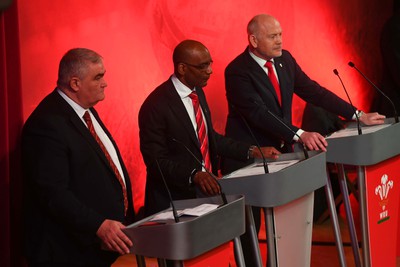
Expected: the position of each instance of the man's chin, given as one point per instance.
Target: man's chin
(203, 84)
(278, 53)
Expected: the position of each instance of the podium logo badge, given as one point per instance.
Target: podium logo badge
(382, 191)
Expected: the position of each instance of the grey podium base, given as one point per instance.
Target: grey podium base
(367, 149)
(191, 236)
(279, 188)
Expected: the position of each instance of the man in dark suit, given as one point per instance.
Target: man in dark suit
(168, 125)
(76, 206)
(249, 88)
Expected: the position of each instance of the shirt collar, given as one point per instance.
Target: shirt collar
(78, 109)
(181, 88)
(260, 61)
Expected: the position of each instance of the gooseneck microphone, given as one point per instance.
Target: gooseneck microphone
(253, 137)
(284, 124)
(396, 117)
(222, 194)
(174, 212)
(352, 106)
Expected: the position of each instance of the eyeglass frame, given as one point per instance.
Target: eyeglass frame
(202, 67)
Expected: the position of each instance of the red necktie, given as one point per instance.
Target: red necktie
(201, 131)
(274, 80)
(89, 124)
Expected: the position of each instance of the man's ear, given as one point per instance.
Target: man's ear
(181, 69)
(253, 40)
(75, 84)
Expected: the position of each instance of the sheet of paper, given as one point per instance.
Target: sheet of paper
(258, 168)
(200, 210)
(354, 131)
(195, 211)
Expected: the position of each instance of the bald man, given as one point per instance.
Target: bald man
(169, 128)
(250, 89)
(249, 84)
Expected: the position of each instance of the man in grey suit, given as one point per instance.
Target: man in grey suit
(77, 190)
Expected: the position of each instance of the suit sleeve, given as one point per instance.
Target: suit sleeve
(311, 91)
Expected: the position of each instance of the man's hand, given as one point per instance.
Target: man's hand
(268, 152)
(314, 141)
(372, 118)
(206, 183)
(113, 238)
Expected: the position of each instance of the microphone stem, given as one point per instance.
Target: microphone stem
(265, 165)
(306, 156)
(348, 97)
(222, 194)
(396, 117)
(174, 212)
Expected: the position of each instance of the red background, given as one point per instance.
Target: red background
(136, 39)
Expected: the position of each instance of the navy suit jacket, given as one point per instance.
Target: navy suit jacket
(70, 187)
(250, 94)
(163, 118)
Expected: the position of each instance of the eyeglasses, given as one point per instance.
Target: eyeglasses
(203, 66)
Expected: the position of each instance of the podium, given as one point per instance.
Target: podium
(191, 236)
(286, 195)
(375, 154)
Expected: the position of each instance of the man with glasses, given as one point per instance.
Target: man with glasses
(176, 133)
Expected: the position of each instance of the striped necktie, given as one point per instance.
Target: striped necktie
(89, 124)
(201, 131)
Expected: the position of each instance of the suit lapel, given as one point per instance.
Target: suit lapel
(179, 110)
(75, 120)
(283, 79)
(261, 78)
(121, 162)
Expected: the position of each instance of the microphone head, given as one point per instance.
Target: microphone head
(336, 72)
(351, 64)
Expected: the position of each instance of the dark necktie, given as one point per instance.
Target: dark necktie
(89, 124)
(274, 80)
(201, 131)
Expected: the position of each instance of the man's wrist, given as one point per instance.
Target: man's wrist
(358, 114)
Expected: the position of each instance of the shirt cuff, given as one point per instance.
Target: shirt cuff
(298, 133)
(250, 152)
(191, 177)
(359, 114)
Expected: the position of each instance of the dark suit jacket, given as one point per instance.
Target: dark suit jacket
(250, 94)
(162, 118)
(70, 187)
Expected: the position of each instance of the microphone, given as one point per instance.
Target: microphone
(222, 194)
(174, 212)
(253, 137)
(348, 97)
(284, 124)
(396, 117)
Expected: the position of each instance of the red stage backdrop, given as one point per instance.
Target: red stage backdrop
(136, 39)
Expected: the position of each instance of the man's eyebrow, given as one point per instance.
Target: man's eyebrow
(99, 75)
